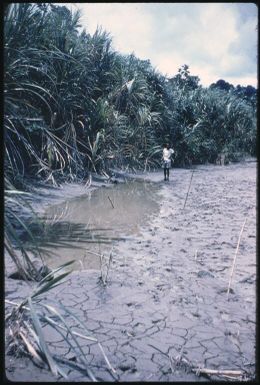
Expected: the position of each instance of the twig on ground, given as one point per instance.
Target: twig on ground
(229, 373)
(110, 201)
(234, 261)
(106, 359)
(188, 189)
(225, 373)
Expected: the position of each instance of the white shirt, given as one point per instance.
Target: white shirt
(167, 154)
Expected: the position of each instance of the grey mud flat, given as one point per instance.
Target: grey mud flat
(166, 294)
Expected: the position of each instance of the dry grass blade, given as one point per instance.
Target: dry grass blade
(90, 338)
(106, 359)
(228, 374)
(54, 368)
(31, 331)
(39, 338)
(188, 189)
(111, 202)
(53, 323)
(80, 322)
(225, 373)
(83, 360)
(31, 348)
(71, 364)
(235, 257)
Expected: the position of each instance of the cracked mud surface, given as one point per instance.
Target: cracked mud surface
(167, 287)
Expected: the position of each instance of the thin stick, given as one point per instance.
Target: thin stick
(234, 261)
(188, 189)
(220, 372)
(198, 370)
(106, 359)
(231, 374)
(110, 201)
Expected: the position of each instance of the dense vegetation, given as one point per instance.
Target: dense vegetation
(73, 104)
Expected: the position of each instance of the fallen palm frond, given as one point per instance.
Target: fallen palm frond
(27, 320)
(234, 260)
(18, 319)
(18, 210)
(16, 259)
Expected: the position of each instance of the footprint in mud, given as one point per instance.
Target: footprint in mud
(251, 279)
(127, 368)
(156, 298)
(224, 290)
(204, 273)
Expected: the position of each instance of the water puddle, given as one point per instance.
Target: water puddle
(87, 226)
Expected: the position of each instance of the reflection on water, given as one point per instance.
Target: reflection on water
(88, 225)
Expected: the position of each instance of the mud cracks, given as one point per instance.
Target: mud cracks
(164, 313)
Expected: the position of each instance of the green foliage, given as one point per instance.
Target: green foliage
(73, 105)
(206, 122)
(184, 81)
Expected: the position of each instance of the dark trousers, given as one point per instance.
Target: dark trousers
(166, 173)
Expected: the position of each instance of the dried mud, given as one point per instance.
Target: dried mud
(166, 293)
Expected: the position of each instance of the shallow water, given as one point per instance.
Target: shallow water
(87, 226)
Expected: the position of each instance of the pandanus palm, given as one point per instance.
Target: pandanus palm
(218, 120)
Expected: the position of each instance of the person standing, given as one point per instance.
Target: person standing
(167, 153)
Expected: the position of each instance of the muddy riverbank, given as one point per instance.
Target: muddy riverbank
(166, 293)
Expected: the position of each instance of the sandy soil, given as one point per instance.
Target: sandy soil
(166, 294)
